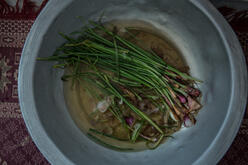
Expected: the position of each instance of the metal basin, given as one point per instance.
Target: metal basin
(209, 46)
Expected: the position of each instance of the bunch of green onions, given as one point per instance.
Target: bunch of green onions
(118, 67)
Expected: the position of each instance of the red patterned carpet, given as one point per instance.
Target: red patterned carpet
(16, 146)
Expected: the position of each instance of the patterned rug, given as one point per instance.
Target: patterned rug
(16, 146)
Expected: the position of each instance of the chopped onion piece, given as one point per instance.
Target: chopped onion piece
(187, 122)
(103, 105)
(182, 99)
(129, 120)
(194, 92)
(193, 104)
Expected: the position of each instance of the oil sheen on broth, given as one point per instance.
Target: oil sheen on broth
(81, 104)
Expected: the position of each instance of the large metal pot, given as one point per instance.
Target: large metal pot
(207, 43)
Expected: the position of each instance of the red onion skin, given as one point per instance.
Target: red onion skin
(193, 104)
(182, 99)
(194, 92)
(129, 120)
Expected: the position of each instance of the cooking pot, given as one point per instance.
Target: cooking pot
(206, 42)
